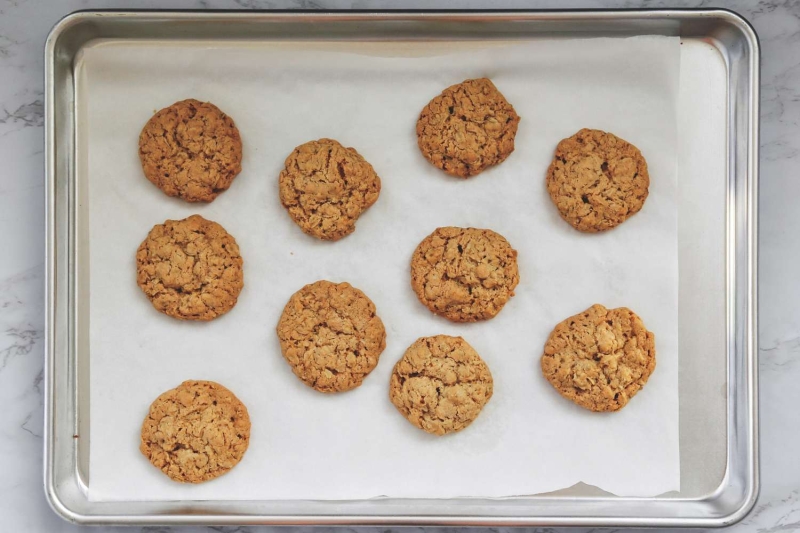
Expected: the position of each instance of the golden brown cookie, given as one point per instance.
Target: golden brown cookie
(467, 128)
(191, 150)
(331, 336)
(196, 431)
(440, 384)
(464, 274)
(597, 180)
(190, 269)
(326, 187)
(600, 358)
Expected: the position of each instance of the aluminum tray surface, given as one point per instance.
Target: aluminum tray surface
(718, 178)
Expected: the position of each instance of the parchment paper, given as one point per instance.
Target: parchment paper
(307, 445)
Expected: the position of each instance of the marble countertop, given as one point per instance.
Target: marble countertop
(24, 24)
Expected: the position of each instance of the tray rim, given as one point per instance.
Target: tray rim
(741, 309)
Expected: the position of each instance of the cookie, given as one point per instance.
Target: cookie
(190, 269)
(600, 358)
(191, 150)
(440, 384)
(467, 128)
(464, 274)
(325, 187)
(196, 432)
(597, 180)
(331, 336)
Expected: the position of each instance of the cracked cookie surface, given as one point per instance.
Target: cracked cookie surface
(464, 274)
(190, 269)
(191, 150)
(331, 336)
(325, 187)
(195, 432)
(467, 128)
(597, 180)
(600, 358)
(440, 384)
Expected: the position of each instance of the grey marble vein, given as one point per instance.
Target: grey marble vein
(21, 343)
(23, 27)
(29, 115)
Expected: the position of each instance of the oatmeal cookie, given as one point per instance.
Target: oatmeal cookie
(597, 180)
(196, 432)
(325, 187)
(600, 358)
(331, 336)
(467, 128)
(440, 384)
(190, 269)
(191, 150)
(464, 274)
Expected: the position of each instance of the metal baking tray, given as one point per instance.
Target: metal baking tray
(718, 199)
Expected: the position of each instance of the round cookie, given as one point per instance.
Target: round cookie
(600, 358)
(597, 180)
(331, 336)
(190, 269)
(191, 150)
(440, 384)
(464, 274)
(326, 187)
(467, 128)
(196, 432)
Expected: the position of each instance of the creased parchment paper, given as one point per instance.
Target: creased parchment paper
(307, 445)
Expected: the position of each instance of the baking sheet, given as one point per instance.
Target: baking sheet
(306, 445)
